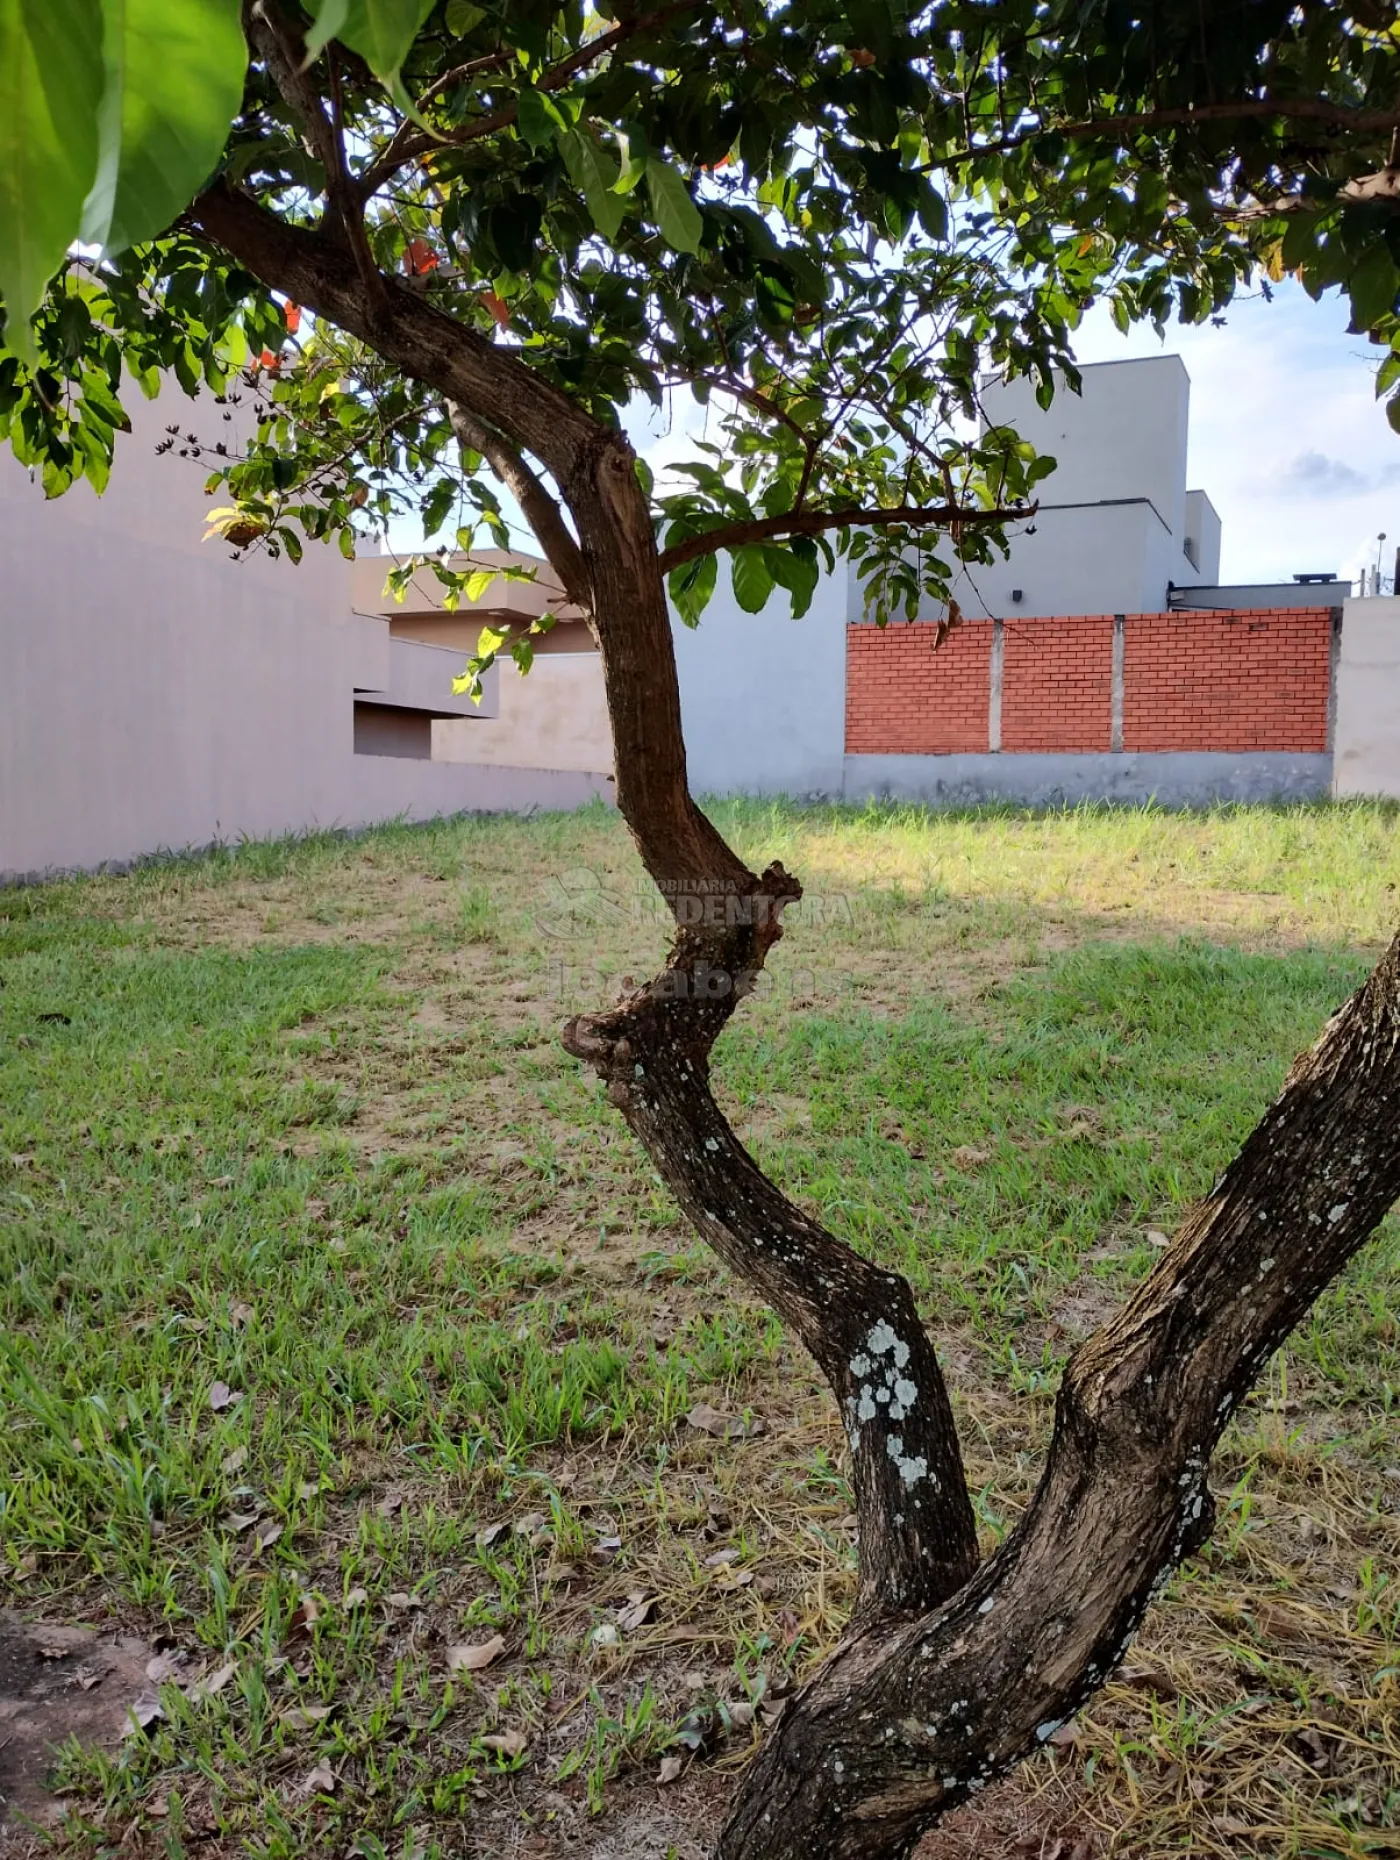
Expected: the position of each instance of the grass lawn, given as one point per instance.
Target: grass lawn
(347, 1333)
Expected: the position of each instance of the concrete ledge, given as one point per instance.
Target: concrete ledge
(420, 678)
(1178, 779)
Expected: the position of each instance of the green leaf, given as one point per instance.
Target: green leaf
(511, 229)
(632, 152)
(676, 213)
(381, 31)
(174, 83)
(462, 15)
(589, 172)
(50, 95)
(933, 212)
(100, 402)
(331, 17)
(752, 578)
(1392, 412)
(691, 586)
(1373, 286)
(438, 504)
(794, 566)
(539, 119)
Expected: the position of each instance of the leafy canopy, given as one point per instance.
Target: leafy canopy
(805, 230)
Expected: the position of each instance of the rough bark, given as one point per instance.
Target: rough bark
(910, 1718)
(950, 1673)
(918, 1540)
(536, 505)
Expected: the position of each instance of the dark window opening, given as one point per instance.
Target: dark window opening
(393, 730)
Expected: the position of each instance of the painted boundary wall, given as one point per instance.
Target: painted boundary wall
(1368, 701)
(155, 696)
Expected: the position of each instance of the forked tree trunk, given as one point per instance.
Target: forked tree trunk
(950, 1673)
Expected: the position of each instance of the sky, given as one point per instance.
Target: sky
(1286, 436)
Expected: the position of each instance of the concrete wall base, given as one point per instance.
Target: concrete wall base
(1178, 779)
(394, 789)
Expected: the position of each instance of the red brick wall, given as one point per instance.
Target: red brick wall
(1232, 681)
(1239, 681)
(903, 698)
(1057, 683)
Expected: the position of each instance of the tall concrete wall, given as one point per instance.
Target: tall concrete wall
(1110, 531)
(1101, 558)
(554, 717)
(763, 696)
(1123, 436)
(1367, 730)
(1201, 546)
(155, 695)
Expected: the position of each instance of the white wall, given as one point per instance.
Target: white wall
(1203, 528)
(763, 696)
(155, 695)
(1124, 436)
(554, 717)
(1366, 739)
(1099, 560)
(1112, 520)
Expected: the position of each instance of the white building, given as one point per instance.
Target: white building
(1117, 530)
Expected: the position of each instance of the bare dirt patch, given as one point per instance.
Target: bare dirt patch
(56, 1683)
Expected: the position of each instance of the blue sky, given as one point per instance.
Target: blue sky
(1287, 437)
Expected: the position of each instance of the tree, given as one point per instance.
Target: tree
(508, 220)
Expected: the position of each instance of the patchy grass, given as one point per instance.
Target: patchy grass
(344, 1326)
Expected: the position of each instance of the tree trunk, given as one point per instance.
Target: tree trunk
(909, 1718)
(950, 1673)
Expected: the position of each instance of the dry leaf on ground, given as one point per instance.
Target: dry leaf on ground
(465, 1658)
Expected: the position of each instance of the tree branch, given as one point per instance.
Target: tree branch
(918, 1535)
(1383, 186)
(1299, 109)
(751, 396)
(325, 133)
(654, 1050)
(538, 508)
(814, 522)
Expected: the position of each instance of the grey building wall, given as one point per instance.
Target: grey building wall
(1201, 544)
(763, 696)
(156, 696)
(1110, 529)
(1262, 595)
(1366, 734)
